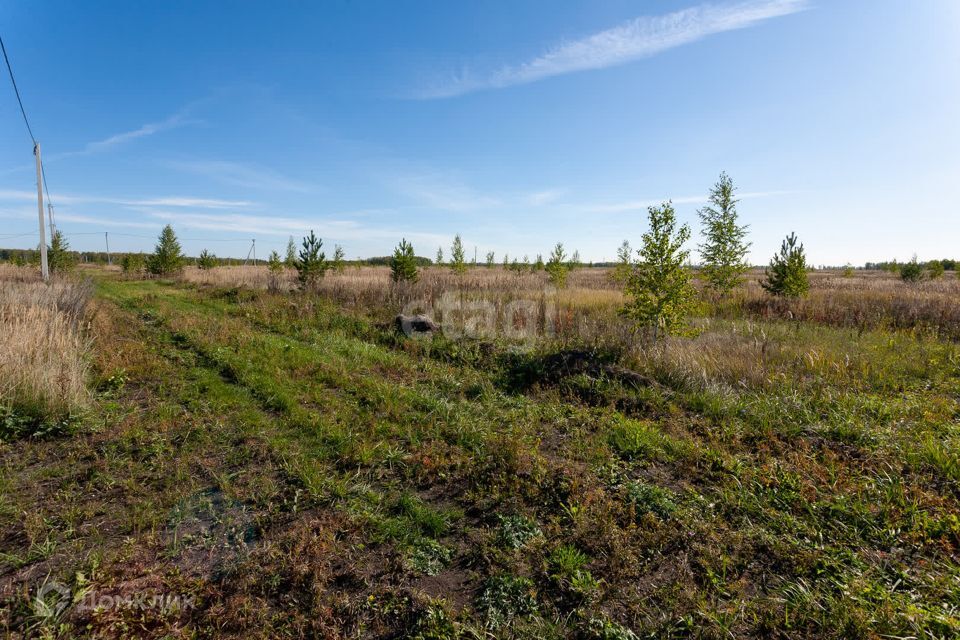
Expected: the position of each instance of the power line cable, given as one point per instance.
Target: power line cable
(26, 121)
(17, 91)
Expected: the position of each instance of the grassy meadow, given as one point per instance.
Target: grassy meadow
(263, 462)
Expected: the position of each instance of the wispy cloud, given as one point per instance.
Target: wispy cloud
(174, 121)
(443, 192)
(638, 38)
(242, 175)
(173, 201)
(178, 119)
(543, 198)
(335, 228)
(641, 205)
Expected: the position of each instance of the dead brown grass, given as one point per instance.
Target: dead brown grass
(44, 352)
(587, 307)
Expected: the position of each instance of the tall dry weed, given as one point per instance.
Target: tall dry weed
(44, 352)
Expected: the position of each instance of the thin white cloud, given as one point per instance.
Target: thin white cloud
(268, 225)
(437, 191)
(173, 201)
(242, 175)
(542, 198)
(642, 205)
(178, 119)
(148, 129)
(638, 38)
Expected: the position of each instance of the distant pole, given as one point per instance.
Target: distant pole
(44, 268)
(53, 228)
(106, 238)
(254, 249)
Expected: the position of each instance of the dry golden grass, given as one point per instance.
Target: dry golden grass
(588, 306)
(44, 353)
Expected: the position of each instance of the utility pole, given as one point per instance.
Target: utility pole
(44, 268)
(253, 252)
(106, 237)
(53, 228)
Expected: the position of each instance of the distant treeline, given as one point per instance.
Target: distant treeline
(386, 261)
(893, 266)
(32, 256)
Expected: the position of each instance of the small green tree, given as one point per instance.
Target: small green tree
(490, 259)
(439, 256)
(624, 264)
(787, 274)
(538, 264)
(338, 264)
(934, 269)
(132, 263)
(403, 265)
(59, 258)
(311, 262)
(575, 260)
(724, 249)
(458, 262)
(911, 271)
(167, 258)
(206, 260)
(275, 268)
(291, 258)
(506, 260)
(659, 287)
(557, 267)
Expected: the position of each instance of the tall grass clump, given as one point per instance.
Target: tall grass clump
(44, 354)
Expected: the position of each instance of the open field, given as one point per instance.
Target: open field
(280, 464)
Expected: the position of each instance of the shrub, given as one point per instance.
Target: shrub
(207, 260)
(490, 259)
(724, 249)
(439, 256)
(787, 274)
(311, 262)
(934, 269)
(167, 258)
(403, 266)
(557, 267)
(132, 263)
(275, 271)
(659, 287)
(911, 271)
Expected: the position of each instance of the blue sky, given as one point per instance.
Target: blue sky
(516, 124)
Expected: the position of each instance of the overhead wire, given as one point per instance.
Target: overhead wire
(26, 121)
